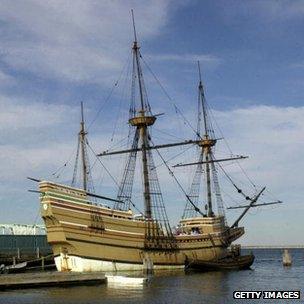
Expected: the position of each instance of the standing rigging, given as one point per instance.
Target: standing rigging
(206, 158)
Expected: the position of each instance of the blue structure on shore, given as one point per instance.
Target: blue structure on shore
(22, 243)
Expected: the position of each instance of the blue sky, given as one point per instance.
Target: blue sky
(54, 54)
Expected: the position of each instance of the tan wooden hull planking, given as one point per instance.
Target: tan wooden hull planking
(89, 237)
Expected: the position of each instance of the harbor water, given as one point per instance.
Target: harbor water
(267, 274)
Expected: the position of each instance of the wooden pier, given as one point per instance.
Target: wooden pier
(50, 278)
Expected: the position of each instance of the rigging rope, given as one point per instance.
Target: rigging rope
(61, 169)
(169, 98)
(76, 164)
(196, 132)
(166, 133)
(229, 148)
(173, 157)
(177, 182)
(111, 176)
(235, 186)
(109, 95)
(122, 97)
(114, 180)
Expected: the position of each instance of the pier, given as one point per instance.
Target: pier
(50, 278)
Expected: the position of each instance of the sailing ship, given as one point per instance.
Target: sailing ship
(86, 236)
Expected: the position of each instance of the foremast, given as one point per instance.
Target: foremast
(82, 152)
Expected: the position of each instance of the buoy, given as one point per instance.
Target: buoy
(286, 258)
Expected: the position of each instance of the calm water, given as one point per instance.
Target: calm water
(211, 287)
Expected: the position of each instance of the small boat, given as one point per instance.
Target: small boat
(20, 267)
(229, 263)
(126, 280)
(287, 261)
(234, 261)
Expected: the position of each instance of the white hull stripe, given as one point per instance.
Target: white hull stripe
(73, 224)
(125, 232)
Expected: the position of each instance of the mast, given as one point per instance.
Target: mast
(206, 160)
(206, 143)
(82, 140)
(141, 122)
(135, 52)
(83, 163)
(141, 119)
(202, 97)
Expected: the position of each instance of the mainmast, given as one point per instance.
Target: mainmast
(135, 49)
(141, 119)
(141, 122)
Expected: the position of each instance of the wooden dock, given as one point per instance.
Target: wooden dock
(50, 278)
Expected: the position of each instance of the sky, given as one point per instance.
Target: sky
(55, 54)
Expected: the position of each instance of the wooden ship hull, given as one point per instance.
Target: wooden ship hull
(88, 237)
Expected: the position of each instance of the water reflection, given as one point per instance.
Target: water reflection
(177, 286)
(162, 285)
(117, 290)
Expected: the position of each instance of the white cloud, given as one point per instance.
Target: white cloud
(74, 40)
(24, 114)
(29, 132)
(272, 136)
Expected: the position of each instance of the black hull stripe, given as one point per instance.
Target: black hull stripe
(142, 248)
